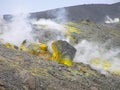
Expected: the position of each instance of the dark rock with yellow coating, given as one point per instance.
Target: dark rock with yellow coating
(63, 52)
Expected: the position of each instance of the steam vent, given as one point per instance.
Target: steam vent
(79, 49)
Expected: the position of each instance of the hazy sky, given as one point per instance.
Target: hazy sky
(25, 6)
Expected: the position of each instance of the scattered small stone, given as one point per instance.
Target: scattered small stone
(94, 88)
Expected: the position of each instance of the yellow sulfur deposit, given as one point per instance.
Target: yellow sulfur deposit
(43, 47)
(63, 52)
(58, 57)
(117, 72)
(23, 47)
(66, 61)
(106, 64)
(95, 61)
(33, 48)
(73, 29)
(70, 31)
(10, 46)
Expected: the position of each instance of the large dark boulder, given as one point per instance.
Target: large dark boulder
(63, 52)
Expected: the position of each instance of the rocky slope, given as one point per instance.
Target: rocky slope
(22, 71)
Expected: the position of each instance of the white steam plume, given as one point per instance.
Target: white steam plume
(17, 30)
(47, 30)
(98, 57)
(21, 28)
(60, 15)
(48, 24)
(110, 20)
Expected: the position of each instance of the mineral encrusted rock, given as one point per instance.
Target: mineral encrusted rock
(63, 52)
(22, 71)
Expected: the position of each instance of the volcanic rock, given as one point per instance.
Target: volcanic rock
(22, 71)
(63, 52)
